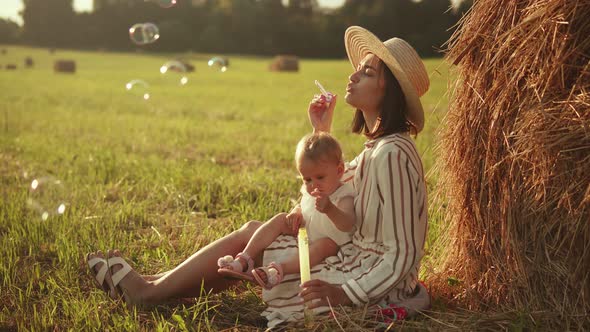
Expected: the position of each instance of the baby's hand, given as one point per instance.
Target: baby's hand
(322, 201)
(294, 220)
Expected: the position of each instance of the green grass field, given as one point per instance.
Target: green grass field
(157, 179)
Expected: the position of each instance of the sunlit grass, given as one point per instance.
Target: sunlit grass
(157, 179)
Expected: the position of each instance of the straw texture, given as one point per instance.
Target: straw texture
(515, 161)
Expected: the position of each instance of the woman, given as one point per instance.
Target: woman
(382, 262)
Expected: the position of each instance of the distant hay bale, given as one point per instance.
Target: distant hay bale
(284, 63)
(29, 62)
(3, 51)
(515, 161)
(64, 66)
(188, 67)
(10, 66)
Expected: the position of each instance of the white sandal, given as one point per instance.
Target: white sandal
(98, 277)
(119, 275)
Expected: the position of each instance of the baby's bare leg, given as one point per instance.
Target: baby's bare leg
(266, 234)
(318, 251)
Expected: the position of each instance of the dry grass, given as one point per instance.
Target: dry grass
(515, 162)
(245, 307)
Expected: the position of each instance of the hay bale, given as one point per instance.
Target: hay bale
(284, 63)
(10, 66)
(515, 151)
(64, 66)
(3, 51)
(188, 67)
(29, 62)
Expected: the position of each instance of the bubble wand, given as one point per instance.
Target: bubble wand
(326, 94)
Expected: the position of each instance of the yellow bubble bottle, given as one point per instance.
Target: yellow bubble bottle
(304, 268)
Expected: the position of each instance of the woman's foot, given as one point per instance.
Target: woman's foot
(102, 278)
(153, 277)
(126, 281)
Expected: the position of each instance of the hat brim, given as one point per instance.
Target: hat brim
(359, 42)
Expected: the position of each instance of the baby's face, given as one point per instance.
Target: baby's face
(321, 175)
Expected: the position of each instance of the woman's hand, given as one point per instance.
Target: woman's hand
(322, 291)
(321, 113)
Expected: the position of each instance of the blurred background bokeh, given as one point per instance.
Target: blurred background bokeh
(259, 27)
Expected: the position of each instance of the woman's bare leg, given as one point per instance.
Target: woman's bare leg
(152, 277)
(260, 240)
(187, 278)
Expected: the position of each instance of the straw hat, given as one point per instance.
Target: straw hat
(402, 60)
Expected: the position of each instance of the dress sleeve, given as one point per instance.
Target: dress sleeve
(396, 185)
(349, 170)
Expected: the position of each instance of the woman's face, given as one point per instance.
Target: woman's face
(366, 86)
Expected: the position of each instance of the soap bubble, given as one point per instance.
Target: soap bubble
(175, 66)
(47, 197)
(218, 62)
(144, 33)
(138, 87)
(164, 3)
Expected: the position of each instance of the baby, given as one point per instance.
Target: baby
(326, 210)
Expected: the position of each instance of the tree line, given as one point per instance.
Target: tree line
(258, 27)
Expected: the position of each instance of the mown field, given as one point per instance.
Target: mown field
(157, 179)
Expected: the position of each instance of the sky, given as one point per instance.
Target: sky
(10, 8)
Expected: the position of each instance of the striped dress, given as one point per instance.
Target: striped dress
(382, 262)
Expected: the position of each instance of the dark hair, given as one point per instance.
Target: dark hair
(393, 111)
(318, 147)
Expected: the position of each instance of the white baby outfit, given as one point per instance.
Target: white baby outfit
(317, 224)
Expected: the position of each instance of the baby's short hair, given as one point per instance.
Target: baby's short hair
(318, 147)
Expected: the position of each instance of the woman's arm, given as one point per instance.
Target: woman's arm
(321, 113)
